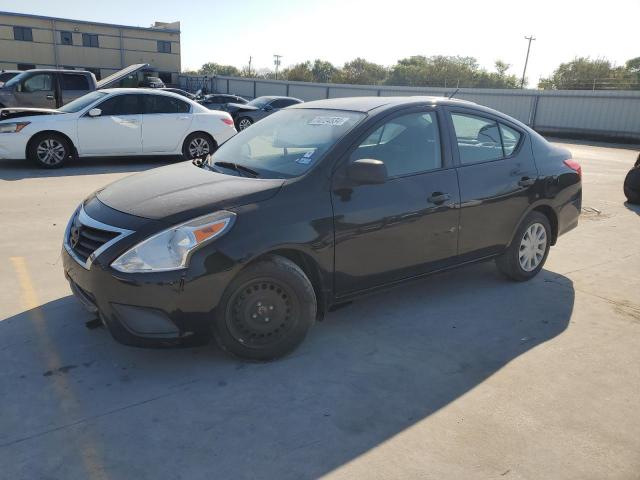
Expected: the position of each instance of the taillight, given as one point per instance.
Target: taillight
(227, 120)
(573, 165)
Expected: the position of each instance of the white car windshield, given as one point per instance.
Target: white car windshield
(287, 143)
(82, 102)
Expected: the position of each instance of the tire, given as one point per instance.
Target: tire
(632, 185)
(49, 150)
(243, 123)
(266, 311)
(198, 145)
(529, 249)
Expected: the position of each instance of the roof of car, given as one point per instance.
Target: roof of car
(366, 104)
(277, 97)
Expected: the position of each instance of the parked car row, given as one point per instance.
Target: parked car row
(113, 122)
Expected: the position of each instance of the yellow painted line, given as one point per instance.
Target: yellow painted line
(68, 402)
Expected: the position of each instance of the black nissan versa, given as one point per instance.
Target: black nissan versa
(311, 207)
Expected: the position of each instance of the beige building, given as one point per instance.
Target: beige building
(33, 41)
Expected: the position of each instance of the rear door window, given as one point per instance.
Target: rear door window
(72, 81)
(155, 104)
(478, 138)
(510, 139)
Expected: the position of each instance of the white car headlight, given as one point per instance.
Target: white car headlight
(14, 127)
(171, 248)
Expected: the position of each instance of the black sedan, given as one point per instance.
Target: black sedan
(219, 101)
(179, 91)
(312, 207)
(246, 115)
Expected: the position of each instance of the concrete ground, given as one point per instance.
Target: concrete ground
(461, 375)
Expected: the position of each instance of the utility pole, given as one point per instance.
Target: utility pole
(530, 38)
(250, 58)
(276, 62)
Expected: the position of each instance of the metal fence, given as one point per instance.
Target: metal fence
(608, 115)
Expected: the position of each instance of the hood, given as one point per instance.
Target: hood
(181, 191)
(114, 78)
(236, 107)
(19, 112)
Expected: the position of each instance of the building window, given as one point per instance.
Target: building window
(90, 40)
(164, 46)
(26, 66)
(23, 34)
(66, 38)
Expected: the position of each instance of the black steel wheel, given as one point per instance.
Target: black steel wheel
(266, 311)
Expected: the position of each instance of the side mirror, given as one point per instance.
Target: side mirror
(95, 112)
(268, 108)
(367, 171)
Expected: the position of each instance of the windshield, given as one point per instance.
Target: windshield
(259, 102)
(287, 143)
(15, 80)
(82, 102)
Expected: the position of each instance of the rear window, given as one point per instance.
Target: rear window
(72, 81)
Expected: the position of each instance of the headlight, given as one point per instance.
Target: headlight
(171, 248)
(12, 127)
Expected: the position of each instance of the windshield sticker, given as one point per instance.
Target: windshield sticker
(331, 121)
(307, 158)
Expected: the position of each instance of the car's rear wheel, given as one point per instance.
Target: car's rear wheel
(244, 123)
(198, 145)
(529, 249)
(632, 185)
(266, 311)
(49, 150)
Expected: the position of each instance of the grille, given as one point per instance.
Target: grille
(85, 240)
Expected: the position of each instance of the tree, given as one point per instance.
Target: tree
(301, 72)
(323, 71)
(212, 68)
(583, 73)
(361, 72)
(447, 71)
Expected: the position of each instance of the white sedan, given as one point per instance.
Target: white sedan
(113, 122)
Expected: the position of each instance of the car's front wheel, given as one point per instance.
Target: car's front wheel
(529, 249)
(266, 310)
(198, 145)
(49, 150)
(244, 123)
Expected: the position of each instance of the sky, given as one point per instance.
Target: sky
(230, 31)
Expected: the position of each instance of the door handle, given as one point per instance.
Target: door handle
(49, 97)
(526, 181)
(438, 198)
(184, 117)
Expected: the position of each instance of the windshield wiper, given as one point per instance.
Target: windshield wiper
(238, 168)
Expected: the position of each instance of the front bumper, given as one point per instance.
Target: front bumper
(148, 309)
(13, 146)
(151, 313)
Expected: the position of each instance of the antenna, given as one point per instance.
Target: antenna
(454, 93)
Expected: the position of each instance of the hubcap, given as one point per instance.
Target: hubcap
(51, 152)
(198, 147)
(244, 123)
(532, 247)
(261, 313)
